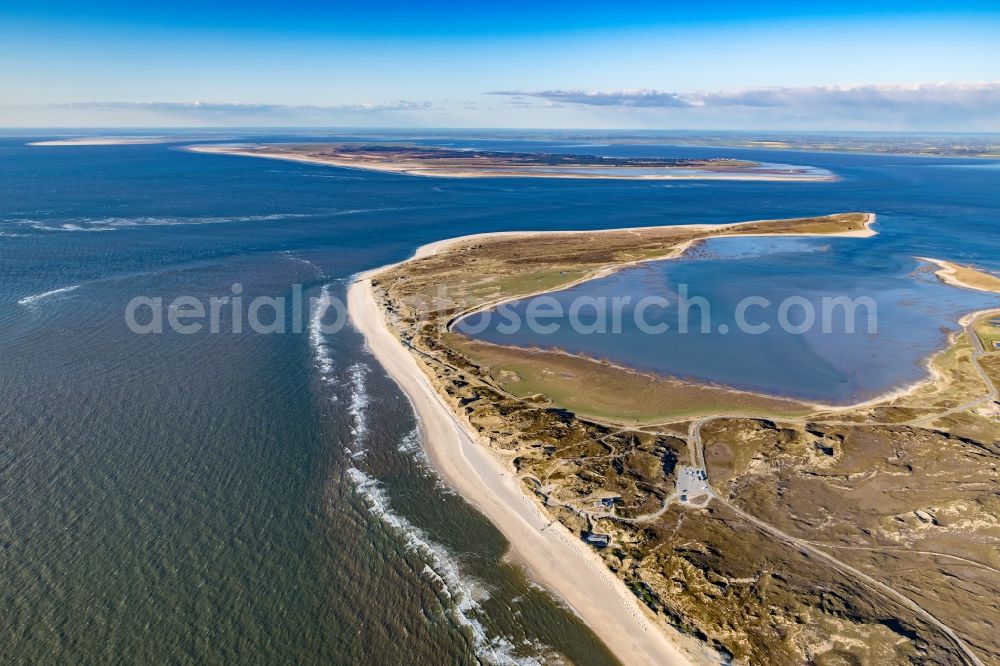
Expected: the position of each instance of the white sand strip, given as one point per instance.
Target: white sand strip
(553, 556)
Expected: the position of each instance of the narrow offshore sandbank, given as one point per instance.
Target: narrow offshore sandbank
(966, 277)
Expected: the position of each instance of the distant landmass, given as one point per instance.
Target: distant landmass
(468, 163)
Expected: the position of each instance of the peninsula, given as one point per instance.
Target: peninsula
(967, 277)
(688, 522)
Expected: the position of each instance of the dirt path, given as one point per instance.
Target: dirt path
(878, 586)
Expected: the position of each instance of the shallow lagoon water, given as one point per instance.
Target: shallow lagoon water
(834, 360)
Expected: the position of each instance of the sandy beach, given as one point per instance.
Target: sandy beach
(554, 557)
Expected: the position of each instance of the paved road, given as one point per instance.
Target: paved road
(977, 352)
(699, 493)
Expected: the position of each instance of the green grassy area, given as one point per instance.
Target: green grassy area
(544, 280)
(596, 390)
(987, 332)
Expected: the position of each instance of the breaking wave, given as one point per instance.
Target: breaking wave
(321, 350)
(411, 445)
(117, 223)
(34, 298)
(359, 211)
(460, 595)
(357, 407)
(305, 262)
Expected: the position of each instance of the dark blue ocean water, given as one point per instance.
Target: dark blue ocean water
(238, 497)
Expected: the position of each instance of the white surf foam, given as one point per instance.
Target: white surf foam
(411, 445)
(357, 407)
(461, 595)
(115, 223)
(321, 351)
(305, 262)
(359, 211)
(34, 298)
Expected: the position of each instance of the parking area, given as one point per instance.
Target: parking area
(692, 486)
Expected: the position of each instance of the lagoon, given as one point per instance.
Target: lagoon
(793, 335)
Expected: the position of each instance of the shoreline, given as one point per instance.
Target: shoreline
(945, 274)
(436, 246)
(405, 170)
(951, 273)
(679, 250)
(871, 218)
(548, 551)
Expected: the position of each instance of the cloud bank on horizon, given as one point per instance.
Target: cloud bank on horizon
(245, 111)
(573, 65)
(967, 97)
(974, 105)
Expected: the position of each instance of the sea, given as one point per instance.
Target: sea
(229, 495)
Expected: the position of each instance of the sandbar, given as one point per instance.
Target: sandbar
(967, 277)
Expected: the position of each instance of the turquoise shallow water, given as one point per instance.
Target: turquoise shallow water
(219, 498)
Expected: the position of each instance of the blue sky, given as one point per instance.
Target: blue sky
(710, 65)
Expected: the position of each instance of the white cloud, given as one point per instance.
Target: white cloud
(943, 95)
(213, 114)
(210, 109)
(924, 105)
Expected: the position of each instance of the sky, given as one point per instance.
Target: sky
(848, 65)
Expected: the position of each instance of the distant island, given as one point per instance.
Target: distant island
(467, 163)
(877, 143)
(916, 144)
